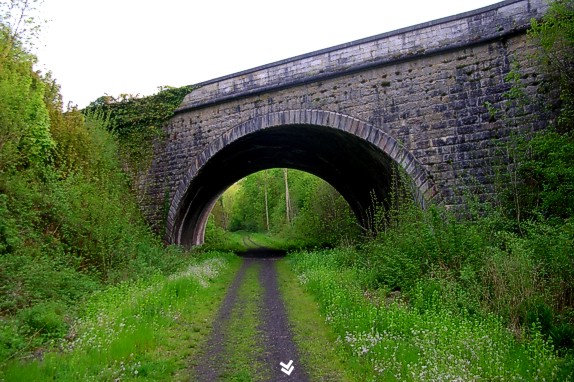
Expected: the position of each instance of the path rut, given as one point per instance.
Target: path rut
(275, 336)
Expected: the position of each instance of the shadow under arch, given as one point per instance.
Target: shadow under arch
(355, 157)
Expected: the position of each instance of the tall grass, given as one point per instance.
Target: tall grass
(423, 333)
(121, 330)
(438, 296)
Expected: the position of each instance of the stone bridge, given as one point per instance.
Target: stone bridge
(420, 98)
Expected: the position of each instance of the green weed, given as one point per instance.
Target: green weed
(124, 331)
(420, 338)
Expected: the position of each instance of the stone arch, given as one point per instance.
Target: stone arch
(308, 122)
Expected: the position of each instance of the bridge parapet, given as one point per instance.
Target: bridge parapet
(467, 29)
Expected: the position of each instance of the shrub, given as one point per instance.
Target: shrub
(45, 319)
(68, 221)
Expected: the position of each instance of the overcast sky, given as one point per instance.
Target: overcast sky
(97, 47)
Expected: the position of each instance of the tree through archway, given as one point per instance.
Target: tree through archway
(356, 158)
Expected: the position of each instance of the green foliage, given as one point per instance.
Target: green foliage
(324, 219)
(25, 137)
(555, 36)
(45, 319)
(544, 163)
(137, 122)
(68, 221)
(215, 236)
(249, 206)
(129, 330)
(74, 151)
(387, 336)
(319, 216)
(433, 260)
(548, 175)
(132, 113)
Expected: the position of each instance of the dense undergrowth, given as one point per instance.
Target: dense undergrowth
(434, 298)
(140, 329)
(69, 224)
(294, 208)
(419, 334)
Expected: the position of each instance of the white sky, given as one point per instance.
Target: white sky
(94, 47)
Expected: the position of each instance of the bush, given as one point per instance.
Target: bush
(11, 340)
(45, 319)
(387, 337)
(69, 222)
(548, 175)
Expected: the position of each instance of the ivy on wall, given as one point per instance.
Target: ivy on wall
(137, 122)
(128, 113)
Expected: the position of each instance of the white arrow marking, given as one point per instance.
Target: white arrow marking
(287, 368)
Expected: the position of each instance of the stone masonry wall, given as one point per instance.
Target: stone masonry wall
(427, 86)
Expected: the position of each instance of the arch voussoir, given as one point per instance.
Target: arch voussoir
(302, 117)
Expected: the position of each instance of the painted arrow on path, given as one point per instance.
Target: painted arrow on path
(287, 368)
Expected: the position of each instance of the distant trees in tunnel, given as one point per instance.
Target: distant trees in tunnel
(290, 203)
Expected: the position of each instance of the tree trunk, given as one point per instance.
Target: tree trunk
(266, 201)
(288, 212)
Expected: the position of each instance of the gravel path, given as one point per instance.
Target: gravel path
(273, 327)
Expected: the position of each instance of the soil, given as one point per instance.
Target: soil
(274, 330)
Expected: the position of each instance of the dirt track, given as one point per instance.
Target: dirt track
(273, 332)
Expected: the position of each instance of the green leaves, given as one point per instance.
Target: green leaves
(68, 221)
(555, 35)
(319, 214)
(549, 169)
(128, 113)
(25, 127)
(137, 122)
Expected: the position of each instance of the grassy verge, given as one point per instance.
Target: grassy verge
(226, 241)
(390, 339)
(314, 338)
(145, 329)
(269, 240)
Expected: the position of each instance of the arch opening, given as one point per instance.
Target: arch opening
(284, 208)
(360, 171)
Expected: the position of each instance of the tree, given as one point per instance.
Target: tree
(288, 213)
(25, 134)
(20, 23)
(291, 203)
(266, 200)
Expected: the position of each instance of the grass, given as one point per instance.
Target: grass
(388, 339)
(146, 329)
(267, 240)
(314, 338)
(241, 241)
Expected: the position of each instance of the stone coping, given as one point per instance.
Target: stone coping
(454, 32)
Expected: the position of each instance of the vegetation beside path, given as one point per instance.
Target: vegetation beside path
(421, 335)
(70, 225)
(145, 330)
(315, 339)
